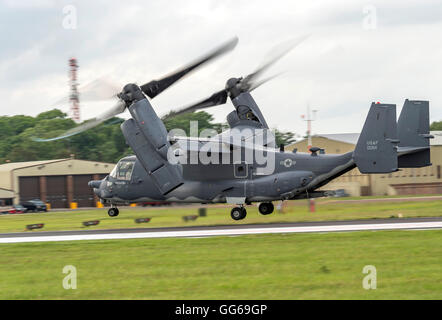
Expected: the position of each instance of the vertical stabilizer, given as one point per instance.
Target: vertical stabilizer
(376, 148)
(414, 134)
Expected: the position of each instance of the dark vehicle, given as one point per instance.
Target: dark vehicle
(156, 203)
(340, 193)
(34, 205)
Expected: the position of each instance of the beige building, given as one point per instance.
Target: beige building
(425, 180)
(6, 197)
(57, 182)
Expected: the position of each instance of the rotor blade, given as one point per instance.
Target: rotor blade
(215, 99)
(97, 90)
(257, 84)
(112, 112)
(155, 87)
(281, 50)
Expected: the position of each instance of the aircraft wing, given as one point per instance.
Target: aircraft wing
(237, 137)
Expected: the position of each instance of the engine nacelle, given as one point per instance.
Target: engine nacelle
(147, 136)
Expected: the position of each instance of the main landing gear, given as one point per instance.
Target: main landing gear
(266, 208)
(113, 212)
(239, 213)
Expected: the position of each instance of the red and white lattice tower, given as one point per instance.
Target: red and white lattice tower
(74, 97)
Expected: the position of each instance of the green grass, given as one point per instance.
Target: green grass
(391, 196)
(220, 215)
(293, 266)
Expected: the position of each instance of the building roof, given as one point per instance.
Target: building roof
(5, 193)
(20, 165)
(352, 138)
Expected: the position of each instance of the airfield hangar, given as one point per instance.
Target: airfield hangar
(57, 182)
(407, 181)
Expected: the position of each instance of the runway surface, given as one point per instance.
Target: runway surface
(226, 230)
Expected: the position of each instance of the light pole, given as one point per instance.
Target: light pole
(309, 117)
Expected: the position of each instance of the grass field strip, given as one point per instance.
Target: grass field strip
(225, 232)
(399, 199)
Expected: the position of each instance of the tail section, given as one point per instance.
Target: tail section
(414, 134)
(375, 151)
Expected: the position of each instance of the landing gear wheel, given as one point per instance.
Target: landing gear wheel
(238, 213)
(266, 208)
(113, 212)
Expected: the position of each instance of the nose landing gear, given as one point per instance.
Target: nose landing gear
(238, 213)
(113, 212)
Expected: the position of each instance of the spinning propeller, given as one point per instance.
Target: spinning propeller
(236, 86)
(101, 89)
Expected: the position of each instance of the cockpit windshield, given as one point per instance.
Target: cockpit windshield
(123, 170)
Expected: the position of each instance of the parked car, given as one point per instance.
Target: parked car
(340, 193)
(35, 205)
(156, 203)
(17, 208)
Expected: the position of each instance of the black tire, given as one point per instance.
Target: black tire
(113, 212)
(238, 213)
(266, 208)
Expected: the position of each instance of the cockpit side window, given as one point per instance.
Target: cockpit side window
(113, 173)
(123, 170)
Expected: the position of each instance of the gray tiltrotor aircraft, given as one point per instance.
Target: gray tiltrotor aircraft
(242, 165)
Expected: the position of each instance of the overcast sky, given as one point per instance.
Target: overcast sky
(358, 52)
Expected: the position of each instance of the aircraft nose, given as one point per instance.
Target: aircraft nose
(97, 191)
(100, 189)
(94, 184)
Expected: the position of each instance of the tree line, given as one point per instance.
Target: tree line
(436, 126)
(104, 143)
